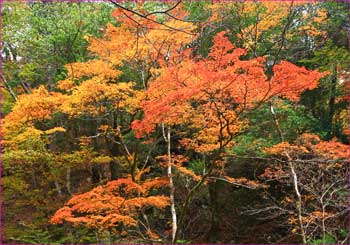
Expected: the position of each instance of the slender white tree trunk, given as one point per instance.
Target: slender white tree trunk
(294, 176)
(299, 201)
(167, 138)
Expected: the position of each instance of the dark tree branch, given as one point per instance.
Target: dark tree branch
(149, 19)
(8, 87)
(165, 11)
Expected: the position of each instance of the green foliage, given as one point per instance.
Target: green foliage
(197, 166)
(327, 57)
(51, 35)
(248, 144)
(197, 10)
(36, 236)
(183, 241)
(322, 101)
(328, 239)
(7, 102)
(31, 234)
(29, 73)
(294, 120)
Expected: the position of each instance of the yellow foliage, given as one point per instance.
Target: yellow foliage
(267, 15)
(54, 130)
(94, 96)
(66, 84)
(102, 159)
(37, 106)
(91, 68)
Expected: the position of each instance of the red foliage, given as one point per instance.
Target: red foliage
(218, 87)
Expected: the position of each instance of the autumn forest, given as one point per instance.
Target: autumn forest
(167, 122)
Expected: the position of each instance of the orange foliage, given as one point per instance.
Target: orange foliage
(155, 183)
(107, 207)
(206, 94)
(188, 172)
(177, 162)
(65, 85)
(244, 181)
(312, 145)
(274, 173)
(290, 80)
(38, 106)
(286, 148)
(92, 85)
(332, 150)
(92, 68)
(146, 41)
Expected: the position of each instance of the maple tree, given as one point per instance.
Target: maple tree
(209, 94)
(215, 84)
(117, 206)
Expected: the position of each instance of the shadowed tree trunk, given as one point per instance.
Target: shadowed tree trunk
(331, 103)
(214, 208)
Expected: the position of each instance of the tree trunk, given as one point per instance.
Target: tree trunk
(114, 167)
(68, 180)
(294, 176)
(171, 185)
(214, 208)
(331, 104)
(172, 191)
(299, 201)
(25, 87)
(8, 87)
(95, 174)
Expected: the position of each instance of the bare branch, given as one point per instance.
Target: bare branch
(149, 19)
(8, 87)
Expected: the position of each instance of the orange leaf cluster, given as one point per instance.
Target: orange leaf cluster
(274, 173)
(188, 172)
(107, 207)
(140, 39)
(103, 69)
(309, 144)
(244, 181)
(284, 148)
(177, 162)
(290, 80)
(39, 106)
(332, 150)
